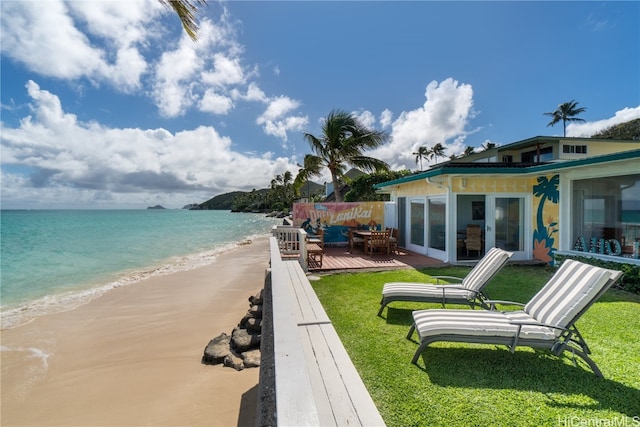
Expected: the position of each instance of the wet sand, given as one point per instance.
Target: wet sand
(133, 356)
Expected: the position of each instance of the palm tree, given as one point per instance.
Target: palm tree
(342, 143)
(469, 150)
(438, 151)
(488, 146)
(186, 11)
(566, 112)
(422, 153)
(282, 191)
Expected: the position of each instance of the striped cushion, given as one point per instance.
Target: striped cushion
(477, 278)
(424, 290)
(476, 323)
(570, 289)
(566, 294)
(486, 268)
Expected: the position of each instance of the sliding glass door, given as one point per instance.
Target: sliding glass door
(502, 220)
(437, 227)
(427, 219)
(416, 235)
(506, 224)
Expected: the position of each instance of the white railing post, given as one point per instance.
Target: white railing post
(304, 259)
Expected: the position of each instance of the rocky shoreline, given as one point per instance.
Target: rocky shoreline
(241, 349)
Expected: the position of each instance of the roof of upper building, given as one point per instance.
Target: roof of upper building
(460, 167)
(537, 142)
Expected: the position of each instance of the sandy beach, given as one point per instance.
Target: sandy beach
(133, 356)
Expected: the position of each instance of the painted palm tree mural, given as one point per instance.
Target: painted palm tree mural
(547, 191)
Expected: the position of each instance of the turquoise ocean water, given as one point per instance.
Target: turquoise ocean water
(55, 260)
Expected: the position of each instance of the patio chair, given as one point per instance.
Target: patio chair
(393, 240)
(315, 249)
(467, 290)
(473, 242)
(547, 321)
(378, 241)
(355, 240)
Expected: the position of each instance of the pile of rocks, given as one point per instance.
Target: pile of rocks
(241, 349)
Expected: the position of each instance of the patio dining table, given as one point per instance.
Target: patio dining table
(365, 234)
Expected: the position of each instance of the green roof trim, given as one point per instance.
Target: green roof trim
(486, 170)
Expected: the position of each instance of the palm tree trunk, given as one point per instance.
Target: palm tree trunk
(336, 189)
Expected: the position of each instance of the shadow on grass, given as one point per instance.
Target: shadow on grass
(497, 368)
(400, 316)
(618, 295)
(564, 385)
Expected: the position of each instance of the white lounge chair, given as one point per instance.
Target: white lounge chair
(547, 321)
(467, 290)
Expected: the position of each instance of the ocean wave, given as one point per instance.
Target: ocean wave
(36, 367)
(32, 353)
(14, 316)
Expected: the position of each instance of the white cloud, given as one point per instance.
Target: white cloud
(120, 25)
(596, 23)
(442, 118)
(278, 107)
(206, 75)
(254, 93)
(275, 120)
(125, 47)
(46, 38)
(173, 76)
(222, 79)
(71, 163)
(386, 118)
(577, 129)
(214, 103)
(226, 71)
(366, 118)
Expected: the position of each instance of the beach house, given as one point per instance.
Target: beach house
(534, 197)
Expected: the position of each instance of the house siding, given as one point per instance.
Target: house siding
(545, 187)
(419, 188)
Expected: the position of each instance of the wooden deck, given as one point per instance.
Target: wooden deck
(338, 258)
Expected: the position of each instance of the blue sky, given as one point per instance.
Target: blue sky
(108, 104)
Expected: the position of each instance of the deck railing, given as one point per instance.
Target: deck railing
(292, 243)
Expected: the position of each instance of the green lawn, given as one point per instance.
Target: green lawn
(477, 385)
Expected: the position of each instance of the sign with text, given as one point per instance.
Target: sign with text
(337, 218)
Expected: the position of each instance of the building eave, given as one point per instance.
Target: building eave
(489, 169)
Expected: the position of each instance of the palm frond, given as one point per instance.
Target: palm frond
(343, 142)
(369, 164)
(186, 11)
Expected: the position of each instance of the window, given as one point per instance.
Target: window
(543, 155)
(606, 214)
(578, 149)
(507, 159)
